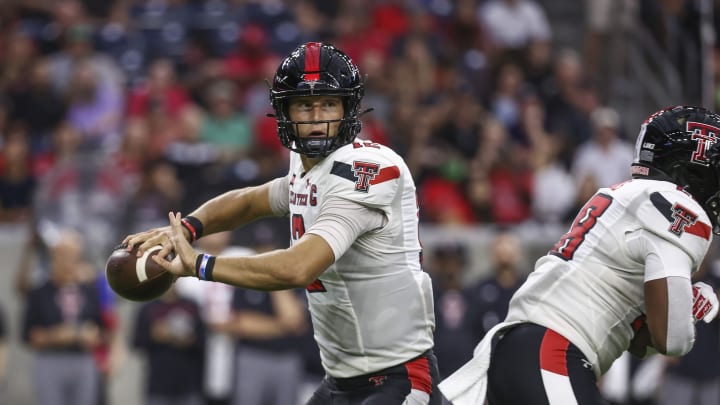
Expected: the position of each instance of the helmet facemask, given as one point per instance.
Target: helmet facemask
(314, 147)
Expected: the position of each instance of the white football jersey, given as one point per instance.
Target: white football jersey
(589, 287)
(372, 309)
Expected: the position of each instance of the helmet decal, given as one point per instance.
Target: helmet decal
(312, 61)
(706, 136)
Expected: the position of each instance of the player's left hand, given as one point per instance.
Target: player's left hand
(705, 302)
(183, 263)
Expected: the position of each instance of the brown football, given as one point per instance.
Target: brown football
(137, 278)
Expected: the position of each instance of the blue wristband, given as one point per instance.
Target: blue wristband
(204, 265)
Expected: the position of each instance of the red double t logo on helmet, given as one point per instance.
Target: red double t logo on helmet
(705, 135)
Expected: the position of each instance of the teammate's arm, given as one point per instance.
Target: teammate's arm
(668, 292)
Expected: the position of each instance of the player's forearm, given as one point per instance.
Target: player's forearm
(281, 269)
(233, 209)
(268, 271)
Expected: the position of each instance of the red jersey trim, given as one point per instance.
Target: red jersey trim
(700, 229)
(386, 173)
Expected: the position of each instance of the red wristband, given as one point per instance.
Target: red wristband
(194, 227)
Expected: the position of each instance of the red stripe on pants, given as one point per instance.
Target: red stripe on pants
(419, 374)
(553, 353)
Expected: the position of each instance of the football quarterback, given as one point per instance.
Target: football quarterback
(353, 219)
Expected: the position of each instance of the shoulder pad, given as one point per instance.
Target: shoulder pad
(676, 217)
(368, 175)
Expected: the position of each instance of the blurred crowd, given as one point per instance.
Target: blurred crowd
(112, 113)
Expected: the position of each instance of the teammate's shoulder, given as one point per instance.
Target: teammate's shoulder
(669, 211)
(644, 188)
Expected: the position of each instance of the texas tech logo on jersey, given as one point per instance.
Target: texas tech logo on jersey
(683, 218)
(364, 173)
(680, 217)
(706, 136)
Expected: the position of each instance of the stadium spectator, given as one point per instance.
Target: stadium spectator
(197, 163)
(37, 106)
(603, 160)
(225, 127)
(553, 188)
(78, 47)
(489, 297)
(80, 190)
(506, 101)
(453, 338)
(95, 107)
(62, 325)
(159, 191)
(567, 91)
(513, 24)
(3, 355)
(160, 94)
(215, 302)
(171, 335)
(110, 350)
(511, 180)
(17, 180)
(263, 329)
(618, 280)
(346, 228)
(20, 56)
(268, 327)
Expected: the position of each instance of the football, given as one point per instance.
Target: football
(137, 278)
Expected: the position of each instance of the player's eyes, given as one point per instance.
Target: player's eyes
(326, 105)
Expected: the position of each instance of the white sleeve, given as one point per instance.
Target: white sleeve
(681, 327)
(340, 222)
(661, 257)
(279, 191)
(664, 259)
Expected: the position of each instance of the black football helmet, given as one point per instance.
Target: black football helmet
(679, 145)
(314, 69)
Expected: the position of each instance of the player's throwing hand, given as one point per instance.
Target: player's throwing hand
(183, 264)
